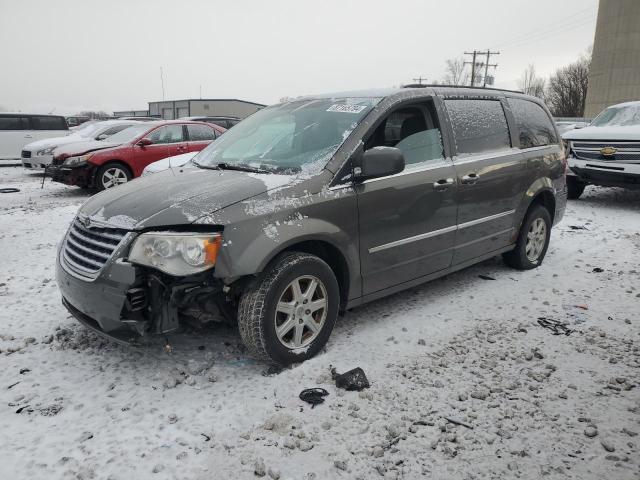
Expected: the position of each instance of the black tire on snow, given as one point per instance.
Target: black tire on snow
(517, 258)
(574, 188)
(256, 309)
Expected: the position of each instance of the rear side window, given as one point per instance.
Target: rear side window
(167, 134)
(113, 130)
(49, 123)
(199, 133)
(14, 123)
(478, 125)
(533, 123)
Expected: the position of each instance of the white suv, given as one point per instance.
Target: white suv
(607, 152)
(19, 129)
(38, 155)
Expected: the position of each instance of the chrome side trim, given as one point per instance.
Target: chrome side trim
(415, 238)
(485, 219)
(496, 234)
(442, 231)
(409, 171)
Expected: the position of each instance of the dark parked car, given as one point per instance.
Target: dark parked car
(314, 206)
(123, 156)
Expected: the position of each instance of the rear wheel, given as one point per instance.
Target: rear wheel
(287, 314)
(533, 240)
(111, 175)
(574, 188)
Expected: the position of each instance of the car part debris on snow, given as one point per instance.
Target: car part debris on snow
(9, 190)
(458, 422)
(352, 380)
(557, 327)
(314, 396)
(486, 277)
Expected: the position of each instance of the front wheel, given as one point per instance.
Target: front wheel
(574, 187)
(287, 314)
(533, 240)
(111, 175)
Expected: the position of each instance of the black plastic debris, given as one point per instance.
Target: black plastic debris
(24, 370)
(9, 190)
(557, 327)
(598, 270)
(352, 380)
(314, 396)
(578, 227)
(486, 277)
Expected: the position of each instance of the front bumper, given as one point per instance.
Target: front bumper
(607, 174)
(78, 176)
(37, 162)
(125, 302)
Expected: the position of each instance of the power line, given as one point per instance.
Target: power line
(543, 36)
(420, 79)
(475, 64)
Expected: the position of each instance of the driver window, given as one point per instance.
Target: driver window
(166, 134)
(414, 131)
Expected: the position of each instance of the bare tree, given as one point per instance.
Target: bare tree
(531, 84)
(97, 115)
(567, 90)
(455, 72)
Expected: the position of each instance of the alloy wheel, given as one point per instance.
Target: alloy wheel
(301, 312)
(113, 177)
(536, 239)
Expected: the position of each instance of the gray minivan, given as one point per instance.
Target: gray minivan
(315, 206)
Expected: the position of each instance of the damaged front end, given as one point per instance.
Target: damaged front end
(112, 281)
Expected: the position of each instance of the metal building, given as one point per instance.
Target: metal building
(614, 76)
(223, 107)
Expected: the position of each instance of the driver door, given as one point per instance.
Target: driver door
(163, 138)
(408, 220)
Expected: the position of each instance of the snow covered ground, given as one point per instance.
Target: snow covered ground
(462, 348)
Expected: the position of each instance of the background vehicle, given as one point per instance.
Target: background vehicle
(124, 155)
(171, 162)
(19, 129)
(37, 155)
(141, 119)
(225, 122)
(76, 120)
(607, 152)
(318, 205)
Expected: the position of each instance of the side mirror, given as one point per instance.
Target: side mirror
(102, 136)
(143, 142)
(378, 162)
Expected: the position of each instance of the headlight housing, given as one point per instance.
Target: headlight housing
(76, 161)
(45, 151)
(176, 253)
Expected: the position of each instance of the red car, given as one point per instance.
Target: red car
(106, 164)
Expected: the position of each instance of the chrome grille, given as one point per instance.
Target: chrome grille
(625, 151)
(87, 249)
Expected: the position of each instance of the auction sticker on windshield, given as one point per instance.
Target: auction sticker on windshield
(338, 107)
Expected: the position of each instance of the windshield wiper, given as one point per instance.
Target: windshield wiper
(241, 167)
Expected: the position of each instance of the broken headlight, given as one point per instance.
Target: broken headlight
(176, 253)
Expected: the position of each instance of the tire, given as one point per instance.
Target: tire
(574, 188)
(260, 311)
(531, 239)
(117, 171)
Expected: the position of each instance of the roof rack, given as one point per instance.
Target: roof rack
(439, 85)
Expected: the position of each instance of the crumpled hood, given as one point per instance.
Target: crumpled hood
(52, 142)
(611, 133)
(176, 197)
(80, 148)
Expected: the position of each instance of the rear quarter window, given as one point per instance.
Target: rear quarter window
(533, 123)
(478, 125)
(49, 123)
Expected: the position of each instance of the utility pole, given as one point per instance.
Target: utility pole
(420, 79)
(474, 64)
(162, 83)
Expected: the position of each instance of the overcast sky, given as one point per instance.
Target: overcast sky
(71, 55)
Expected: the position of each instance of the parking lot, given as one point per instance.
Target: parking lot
(465, 383)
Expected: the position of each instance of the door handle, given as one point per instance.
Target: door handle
(470, 179)
(443, 184)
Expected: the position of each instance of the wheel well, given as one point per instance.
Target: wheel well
(333, 257)
(547, 200)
